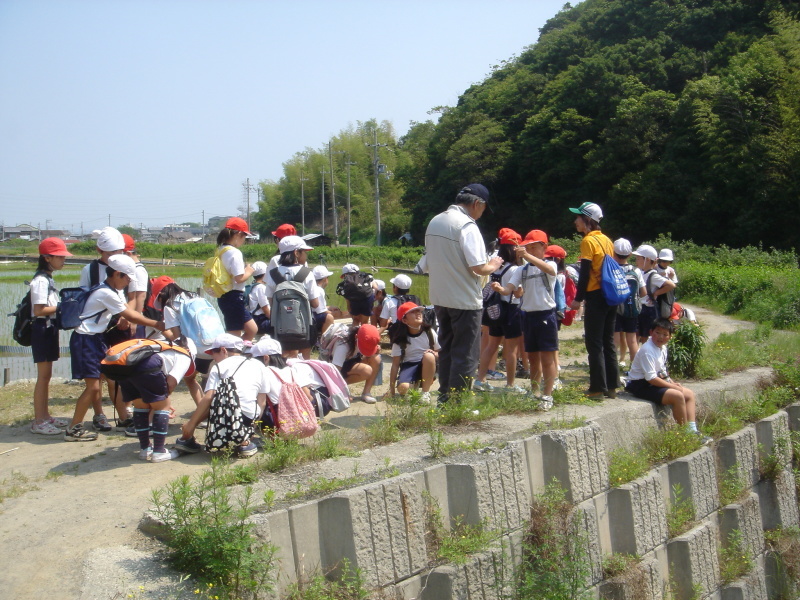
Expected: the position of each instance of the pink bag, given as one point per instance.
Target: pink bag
(296, 416)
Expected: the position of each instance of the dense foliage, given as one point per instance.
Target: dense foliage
(674, 115)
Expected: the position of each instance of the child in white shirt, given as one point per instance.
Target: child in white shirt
(415, 348)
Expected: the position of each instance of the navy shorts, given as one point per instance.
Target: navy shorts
(641, 388)
(44, 341)
(348, 365)
(626, 324)
(647, 317)
(320, 397)
(509, 325)
(541, 331)
(319, 320)
(234, 310)
(410, 372)
(263, 323)
(149, 383)
(202, 365)
(86, 352)
(361, 307)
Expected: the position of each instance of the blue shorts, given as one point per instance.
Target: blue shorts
(361, 307)
(541, 331)
(641, 388)
(263, 323)
(647, 317)
(149, 384)
(626, 324)
(349, 364)
(86, 352)
(509, 325)
(319, 320)
(44, 341)
(410, 372)
(234, 310)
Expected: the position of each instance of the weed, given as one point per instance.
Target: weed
(350, 586)
(559, 422)
(323, 485)
(54, 475)
(669, 443)
(280, 453)
(784, 543)
(772, 464)
(327, 445)
(15, 486)
(269, 499)
(626, 569)
(556, 561)
(732, 486)
(680, 516)
(440, 447)
(457, 543)
(625, 465)
(685, 349)
(616, 564)
(209, 535)
(388, 470)
(734, 558)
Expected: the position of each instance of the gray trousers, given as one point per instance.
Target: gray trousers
(460, 341)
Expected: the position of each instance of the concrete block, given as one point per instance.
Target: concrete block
(603, 522)
(588, 529)
(462, 494)
(305, 529)
(778, 501)
(693, 561)
(577, 459)
(772, 434)
(625, 429)
(274, 528)
(406, 513)
(534, 472)
(697, 476)
(793, 410)
(745, 517)
(501, 489)
(642, 581)
(752, 586)
(740, 450)
(436, 486)
(638, 514)
(446, 581)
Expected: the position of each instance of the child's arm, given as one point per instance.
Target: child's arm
(545, 266)
(393, 374)
(508, 289)
(136, 317)
(42, 310)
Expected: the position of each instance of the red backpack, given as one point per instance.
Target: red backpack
(570, 291)
(294, 416)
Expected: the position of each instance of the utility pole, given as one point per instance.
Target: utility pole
(247, 188)
(349, 164)
(377, 167)
(322, 198)
(333, 196)
(303, 202)
(203, 225)
(109, 219)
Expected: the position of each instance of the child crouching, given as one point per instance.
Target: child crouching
(415, 349)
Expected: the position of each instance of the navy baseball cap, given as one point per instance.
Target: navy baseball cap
(479, 190)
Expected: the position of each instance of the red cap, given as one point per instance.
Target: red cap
(238, 224)
(368, 340)
(156, 285)
(405, 308)
(535, 235)
(509, 236)
(555, 251)
(130, 243)
(53, 247)
(283, 230)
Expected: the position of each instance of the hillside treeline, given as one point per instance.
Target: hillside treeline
(679, 116)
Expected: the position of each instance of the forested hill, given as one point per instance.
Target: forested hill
(678, 116)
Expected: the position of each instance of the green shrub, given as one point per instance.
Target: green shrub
(734, 559)
(680, 515)
(685, 349)
(669, 443)
(626, 465)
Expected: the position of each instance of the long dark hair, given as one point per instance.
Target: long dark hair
(508, 253)
(277, 361)
(170, 291)
(43, 266)
(224, 236)
(288, 259)
(399, 334)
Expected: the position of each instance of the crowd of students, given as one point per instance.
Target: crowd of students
(534, 291)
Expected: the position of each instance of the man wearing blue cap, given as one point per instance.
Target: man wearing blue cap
(456, 260)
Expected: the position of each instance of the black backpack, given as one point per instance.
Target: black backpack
(356, 286)
(22, 330)
(226, 426)
(663, 302)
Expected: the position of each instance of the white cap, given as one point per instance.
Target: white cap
(622, 247)
(378, 284)
(589, 209)
(401, 281)
(349, 268)
(109, 239)
(123, 263)
(666, 254)
(259, 268)
(646, 251)
(291, 243)
(266, 346)
(321, 272)
(227, 340)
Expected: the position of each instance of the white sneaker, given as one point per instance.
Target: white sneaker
(515, 389)
(483, 386)
(546, 403)
(557, 384)
(146, 454)
(425, 398)
(166, 455)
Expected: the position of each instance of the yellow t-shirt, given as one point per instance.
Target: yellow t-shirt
(594, 247)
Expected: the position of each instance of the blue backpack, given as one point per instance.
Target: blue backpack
(613, 283)
(200, 321)
(71, 306)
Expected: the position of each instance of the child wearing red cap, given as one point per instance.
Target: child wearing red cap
(44, 335)
(414, 352)
(238, 319)
(358, 357)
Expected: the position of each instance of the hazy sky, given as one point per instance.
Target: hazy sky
(155, 111)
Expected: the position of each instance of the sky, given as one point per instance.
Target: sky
(158, 111)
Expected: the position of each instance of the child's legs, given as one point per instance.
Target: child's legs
(549, 370)
(633, 345)
(89, 396)
(510, 349)
(41, 393)
(195, 391)
(250, 330)
(374, 362)
(489, 352)
(428, 371)
(682, 403)
(535, 368)
(620, 339)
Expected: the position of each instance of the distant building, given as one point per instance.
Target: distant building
(317, 239)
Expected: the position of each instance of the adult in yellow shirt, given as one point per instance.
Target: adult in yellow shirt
(598, 316)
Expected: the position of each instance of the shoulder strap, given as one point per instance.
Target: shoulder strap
(301, 274)
(430, 337)
(276, 275)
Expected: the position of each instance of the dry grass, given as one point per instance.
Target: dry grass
(16, 401)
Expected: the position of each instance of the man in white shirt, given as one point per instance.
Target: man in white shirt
(456, 260)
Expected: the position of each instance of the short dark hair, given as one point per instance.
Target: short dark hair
(467, 198)
(664, 324)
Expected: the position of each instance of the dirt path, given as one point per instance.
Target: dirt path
(61, 538)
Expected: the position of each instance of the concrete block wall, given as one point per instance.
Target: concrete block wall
(381, 528)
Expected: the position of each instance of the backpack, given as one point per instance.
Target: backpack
(356, 286)
(122, 359)
(248, 290)
(294, 416)
(570, 291)
(663, 302)
(338, 392)
(612, 282)
(151, 312)
(290, 314)
(199, 320)
(225, 424)
(328, 340)
(631, 308)
(491, 299)
(393, 335)
(22, 330)
(216, 279)
(71, 305)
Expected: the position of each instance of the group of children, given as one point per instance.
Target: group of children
(531, 289)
